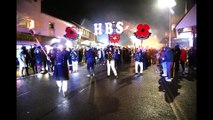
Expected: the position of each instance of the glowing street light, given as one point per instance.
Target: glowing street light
(168, 4)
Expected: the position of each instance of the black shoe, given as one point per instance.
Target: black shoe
(108, 76)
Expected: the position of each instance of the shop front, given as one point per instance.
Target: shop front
(187, 27)
(27, 40)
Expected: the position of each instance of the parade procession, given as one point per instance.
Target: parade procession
(106, 60)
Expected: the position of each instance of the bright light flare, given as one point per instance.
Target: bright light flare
(68, 44)
(166, 3)
(126, 27)
(39, 76)
(80, 33)
(55, 40)
(32, 24)
(171, 10)
(151, 42)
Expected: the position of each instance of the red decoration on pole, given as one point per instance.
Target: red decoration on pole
(114, 38)
(142, 31)
(71, 33)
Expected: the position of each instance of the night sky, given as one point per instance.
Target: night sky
(133, 11)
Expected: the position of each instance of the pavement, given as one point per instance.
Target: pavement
(130, 97)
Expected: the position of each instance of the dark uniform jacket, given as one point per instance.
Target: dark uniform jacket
(61, 71)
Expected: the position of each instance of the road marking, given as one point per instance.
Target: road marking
(23, 94)
(81, 90)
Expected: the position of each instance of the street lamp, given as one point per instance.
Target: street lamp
(168, 4)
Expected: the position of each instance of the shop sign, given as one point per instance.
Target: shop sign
(109, 28)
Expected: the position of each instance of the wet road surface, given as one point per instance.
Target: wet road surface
(130, 97)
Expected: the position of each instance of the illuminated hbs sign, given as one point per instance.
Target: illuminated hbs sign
(110, 27)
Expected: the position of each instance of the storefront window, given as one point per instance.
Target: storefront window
(30, 24)
(51, 29)
(26, 23)
(51, 25)
(21, 22)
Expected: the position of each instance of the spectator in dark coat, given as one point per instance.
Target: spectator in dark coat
(169, 64)
(176, 58)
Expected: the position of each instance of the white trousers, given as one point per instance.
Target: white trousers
(22, 71)
(137, 63)
(111, 64)
(164, 68)
(75, 66)
(62, 84)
